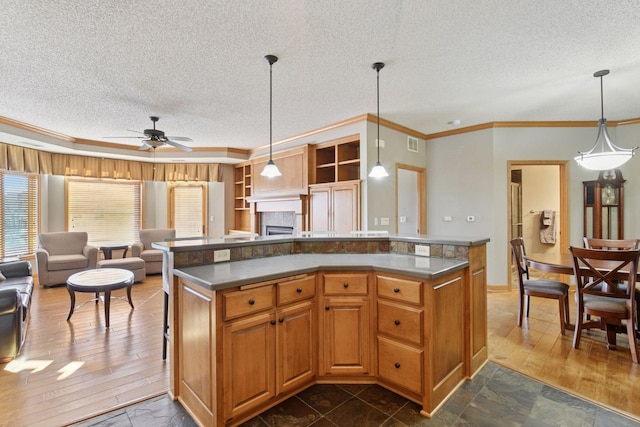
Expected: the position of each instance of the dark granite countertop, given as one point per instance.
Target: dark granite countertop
(238, 273)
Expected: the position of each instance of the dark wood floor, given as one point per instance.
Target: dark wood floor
(69, 371)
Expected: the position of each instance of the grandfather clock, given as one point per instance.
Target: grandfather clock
(604, 206)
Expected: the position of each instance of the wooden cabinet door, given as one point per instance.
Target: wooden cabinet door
(295, 346)
(345, 335)
(345, 202)
(320, 209)
(248, 361)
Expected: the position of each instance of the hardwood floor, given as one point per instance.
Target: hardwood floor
(69, 371)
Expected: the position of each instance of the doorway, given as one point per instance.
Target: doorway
(411, 217)
(536, 187)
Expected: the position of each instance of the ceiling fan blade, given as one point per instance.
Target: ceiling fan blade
(144, 147)
(180, 146)
(135, 131)
(122, 137)
(180, 138)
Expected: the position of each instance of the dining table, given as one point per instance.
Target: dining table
(562, 263)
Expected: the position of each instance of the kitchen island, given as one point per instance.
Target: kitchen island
(289, 312)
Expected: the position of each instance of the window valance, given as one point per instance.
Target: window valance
(21, 159)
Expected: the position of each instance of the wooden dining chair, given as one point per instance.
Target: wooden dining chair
(598, 273)
(611, 244)
(537, 288)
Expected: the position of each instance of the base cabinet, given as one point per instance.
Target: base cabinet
(345, 329)
(268, 354)
(240, 351)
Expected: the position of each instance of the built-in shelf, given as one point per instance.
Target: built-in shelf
(336, 161)
(242, 191)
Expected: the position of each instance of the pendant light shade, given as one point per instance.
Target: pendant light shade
(378, 170)
(604, 154)
(271, 170)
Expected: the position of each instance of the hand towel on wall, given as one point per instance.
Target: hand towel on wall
(548, 227)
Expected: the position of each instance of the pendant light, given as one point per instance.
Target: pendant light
(378, 170)
(271, 170)
(610, 155)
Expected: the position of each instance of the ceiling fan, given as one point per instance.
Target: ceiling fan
(154, 138)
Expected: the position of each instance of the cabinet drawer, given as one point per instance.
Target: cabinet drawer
(296, 290)
(400, 364)
(345, 284)
(240, 303)
(400, 289)
(399, 321)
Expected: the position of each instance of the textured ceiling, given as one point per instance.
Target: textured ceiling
(97, 68)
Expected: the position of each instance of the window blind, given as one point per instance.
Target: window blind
(18, 214)
(187, 210)
(109, 211)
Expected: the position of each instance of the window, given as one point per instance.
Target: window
(186, 211)
(18, 214)
(110, 211)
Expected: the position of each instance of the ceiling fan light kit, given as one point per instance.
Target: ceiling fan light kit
(378, 170)
(271, 170)
(610, 156)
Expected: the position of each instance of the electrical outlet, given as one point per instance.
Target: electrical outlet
(384, 221)
(380, 142)
(403, 220)
(221, 255)
(423, 250)
(471, 218)
(375, 221)
(448, 219)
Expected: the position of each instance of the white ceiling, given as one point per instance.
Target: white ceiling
(96, 68)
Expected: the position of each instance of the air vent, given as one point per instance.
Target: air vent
(412, 144)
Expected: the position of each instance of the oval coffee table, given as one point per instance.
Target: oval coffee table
(97, 281)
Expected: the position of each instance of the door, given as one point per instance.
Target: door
(410, 200)
(543, 186)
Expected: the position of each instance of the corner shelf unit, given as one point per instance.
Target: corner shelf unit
(242, 190)
(336, 161)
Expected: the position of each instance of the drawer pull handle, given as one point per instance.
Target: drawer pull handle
(396, 290)
(273, 322)
(252, 301)
(345, 285)
(281, 320)
(326, 307)
(299, 290)
(397, 322)
(397, 365)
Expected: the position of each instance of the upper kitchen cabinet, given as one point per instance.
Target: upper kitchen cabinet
(336, 161)
(241, 192)
(293, 165)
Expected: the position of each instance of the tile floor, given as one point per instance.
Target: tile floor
(496, 397)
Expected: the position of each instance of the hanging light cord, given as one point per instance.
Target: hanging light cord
(270, 109)
(378, 94)
(601, 98)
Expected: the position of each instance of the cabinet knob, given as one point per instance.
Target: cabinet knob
(299, 290)
(281, 320)
(326, 307)
(252, 301)
(397, 322)
(396, 290)
(345, 285)
(273, 322)
(397, 365)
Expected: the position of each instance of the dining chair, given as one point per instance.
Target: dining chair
(527, 287)
(611, 244)
(598, 273)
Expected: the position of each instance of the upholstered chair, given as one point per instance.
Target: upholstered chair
(61, 254)
(142, 249)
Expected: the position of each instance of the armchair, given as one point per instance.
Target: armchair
(142, 249)
(61, 254)
(16, 288)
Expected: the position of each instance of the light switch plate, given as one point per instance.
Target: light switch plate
(423, 250)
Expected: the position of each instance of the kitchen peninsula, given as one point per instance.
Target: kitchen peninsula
(286, 312)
